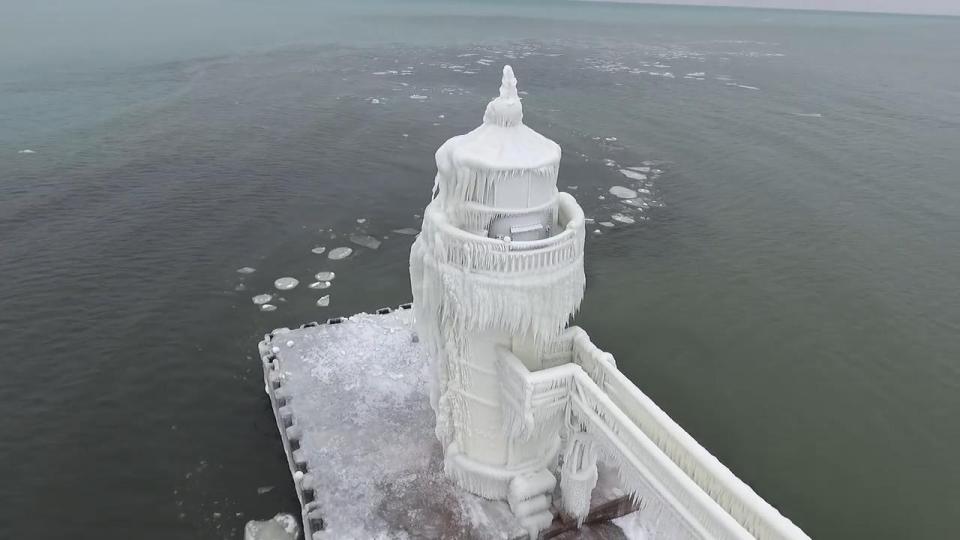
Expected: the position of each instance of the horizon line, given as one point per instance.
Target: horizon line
(694, 4)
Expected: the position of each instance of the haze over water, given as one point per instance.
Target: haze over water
(790, 294)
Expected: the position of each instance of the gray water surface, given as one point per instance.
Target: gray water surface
(789, 295)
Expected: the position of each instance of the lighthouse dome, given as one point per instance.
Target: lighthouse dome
(500, 158)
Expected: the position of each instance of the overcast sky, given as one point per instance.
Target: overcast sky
(948, 7)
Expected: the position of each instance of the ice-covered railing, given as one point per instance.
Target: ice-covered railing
(473, 253)
(651, 450)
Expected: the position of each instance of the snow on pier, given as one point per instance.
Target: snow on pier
(351, 400)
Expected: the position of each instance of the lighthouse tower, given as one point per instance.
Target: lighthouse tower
(498, 266)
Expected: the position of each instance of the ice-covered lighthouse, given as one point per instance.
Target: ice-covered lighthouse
(537, 427)
(520, 399)
(498, 264)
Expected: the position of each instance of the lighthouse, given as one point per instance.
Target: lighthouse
(498, 266)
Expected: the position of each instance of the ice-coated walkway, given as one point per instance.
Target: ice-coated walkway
(350, 396)
(351, 400)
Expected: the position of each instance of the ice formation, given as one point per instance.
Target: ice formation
(323, 301)
(280, 527)
(268, 307)
(339, 253)
(365, 240)
(317, 285)
(523, 403)
(325, 276)
(261, 299)
(246, 270)
(318, 250)
(622, 192)
(633, 175)
(286, 283)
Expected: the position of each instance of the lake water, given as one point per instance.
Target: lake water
(790, 294)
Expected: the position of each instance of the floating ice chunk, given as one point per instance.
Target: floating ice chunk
(365, 240)
(597, 231)
(602, 198)
(622, 218)
(405, 135)
(261, 299)
(264, 489)
(290, 343)
(640, 169)
(324, 301)
(623, 193)
(286, 283)
(240, 287)
(610, 139)
(361, 220)
(268, 307)
(606, 224)
(318, 250)
(26, 151)
(588, 220)
(340, 253)
(374, 101)
(418, 97)
(409, 231)
(609, 162)
(696, 74)
(573, 188)
(317, 285)
(246, 270)
(281, 527)
(633, 175)
(808, 115)
(637, 203)
(325, 276)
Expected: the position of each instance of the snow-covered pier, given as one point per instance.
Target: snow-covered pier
(352, 404)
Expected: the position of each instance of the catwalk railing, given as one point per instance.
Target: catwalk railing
(654, 456)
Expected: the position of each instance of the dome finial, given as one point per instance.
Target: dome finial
(506, 110)
(508, 87)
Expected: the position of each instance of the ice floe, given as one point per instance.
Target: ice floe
(280, 527)
(325, 276)
(365, 240)
(418, 97)
(623, 218)
(606, 224)
(246, 270)
(323, 301)
(261, 299)
(339, 253)
(318, 250)
(268, 307)
(26, 151)
(286, 283)
(317, 285)
(409, 231)
(633, 175)
(623, 193)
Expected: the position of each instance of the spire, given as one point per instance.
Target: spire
(505, 110)
(508, 86)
